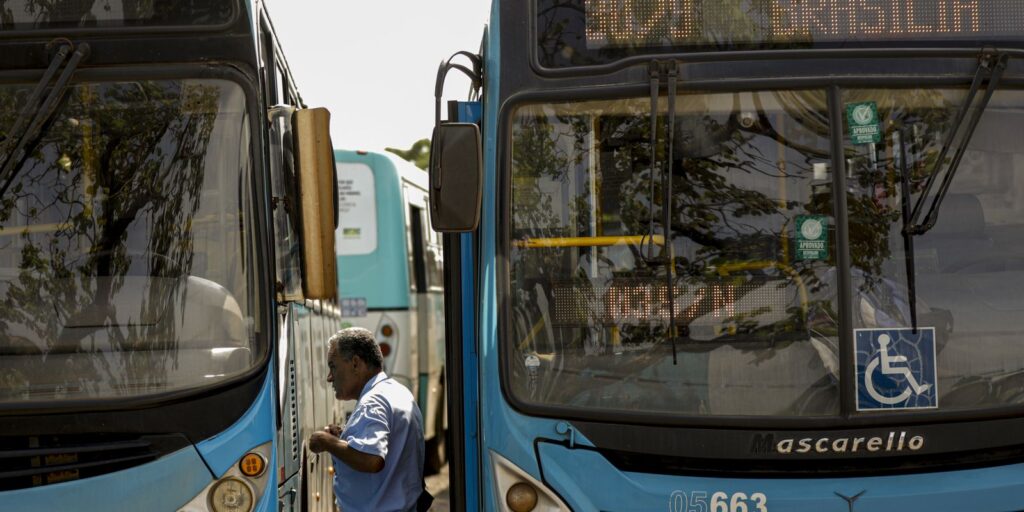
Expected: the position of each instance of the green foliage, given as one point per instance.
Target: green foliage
(418, 153)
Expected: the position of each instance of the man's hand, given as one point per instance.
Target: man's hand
(325, 441)
(321, 441)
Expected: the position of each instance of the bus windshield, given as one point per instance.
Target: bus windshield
(750, 325)
(124, 266)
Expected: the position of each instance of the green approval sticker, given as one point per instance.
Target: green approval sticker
(811, 237)
(862, 119)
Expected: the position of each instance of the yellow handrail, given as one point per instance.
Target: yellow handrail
(588, 241)
(34, 228)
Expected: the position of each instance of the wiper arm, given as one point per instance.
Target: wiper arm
(36, 115)
(992, 65)
(26, 111)
(908, 237)
(670, 268)
(669, 69)
(655, 76)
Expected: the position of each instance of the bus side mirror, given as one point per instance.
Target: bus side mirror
(456, 177)
(314, 159)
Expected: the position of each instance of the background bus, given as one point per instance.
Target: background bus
(738, 256)
(390, 272)
(161, 339)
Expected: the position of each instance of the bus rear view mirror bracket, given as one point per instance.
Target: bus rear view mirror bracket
(317, 209)
(456, 177)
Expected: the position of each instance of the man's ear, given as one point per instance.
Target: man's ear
(359, 362)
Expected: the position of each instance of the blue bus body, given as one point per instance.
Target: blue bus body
(583, 457)
(193, 383)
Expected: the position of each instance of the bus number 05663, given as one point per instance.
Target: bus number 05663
(697, 501)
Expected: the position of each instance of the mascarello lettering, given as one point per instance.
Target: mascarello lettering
(892, 442)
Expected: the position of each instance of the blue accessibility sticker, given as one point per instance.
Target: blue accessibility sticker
(896, 369)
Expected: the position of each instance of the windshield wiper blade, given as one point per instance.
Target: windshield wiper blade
(670, 70)
(33, 99)
(36, 115)
(908, 237)
(670, 268)
(992, 65)
(655, 76)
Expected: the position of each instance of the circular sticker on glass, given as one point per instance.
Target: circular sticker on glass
(862, 114)
(811, 229)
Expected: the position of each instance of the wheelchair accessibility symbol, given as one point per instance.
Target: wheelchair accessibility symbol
(896, 369)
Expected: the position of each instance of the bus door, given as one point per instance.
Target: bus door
(416, 208)
(428, 320)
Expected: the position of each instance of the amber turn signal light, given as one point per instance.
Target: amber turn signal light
(252, 465)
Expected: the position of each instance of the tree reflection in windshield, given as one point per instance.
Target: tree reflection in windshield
(590, 253)
(967, 269)
(123, 221)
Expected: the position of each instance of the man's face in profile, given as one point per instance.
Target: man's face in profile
(343, 375)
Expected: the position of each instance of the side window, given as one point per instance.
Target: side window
(286, 228)
(434, 258)
(276, 85)
(417, 249)
(270, 85)
(283, 86)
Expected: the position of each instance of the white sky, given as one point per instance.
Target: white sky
(373, 62)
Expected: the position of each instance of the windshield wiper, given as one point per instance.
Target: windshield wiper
(908, 237)
(35, 115)
(26, 111)
(669, 69)
(992, 65)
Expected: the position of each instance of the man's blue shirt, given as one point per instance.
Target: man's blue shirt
(386, 422)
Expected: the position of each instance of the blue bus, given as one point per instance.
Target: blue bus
(167, 271)
(732, 256)
(390, 273)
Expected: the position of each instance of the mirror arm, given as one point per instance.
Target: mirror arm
(475, 75)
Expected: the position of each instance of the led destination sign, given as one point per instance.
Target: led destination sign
(682, 23)
(591, 32)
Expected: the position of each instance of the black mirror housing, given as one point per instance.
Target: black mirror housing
(456, 177)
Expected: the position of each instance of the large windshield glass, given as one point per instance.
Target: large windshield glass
(968, 270)
(123, 252)
(749, 252)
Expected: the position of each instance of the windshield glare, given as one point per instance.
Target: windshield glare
(122, 265)
(751, 252)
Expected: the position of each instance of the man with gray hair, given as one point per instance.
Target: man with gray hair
(378, 455)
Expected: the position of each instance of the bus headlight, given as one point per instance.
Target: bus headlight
(230, 495)
(238, 488)
(517, 491)
(521, 497)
